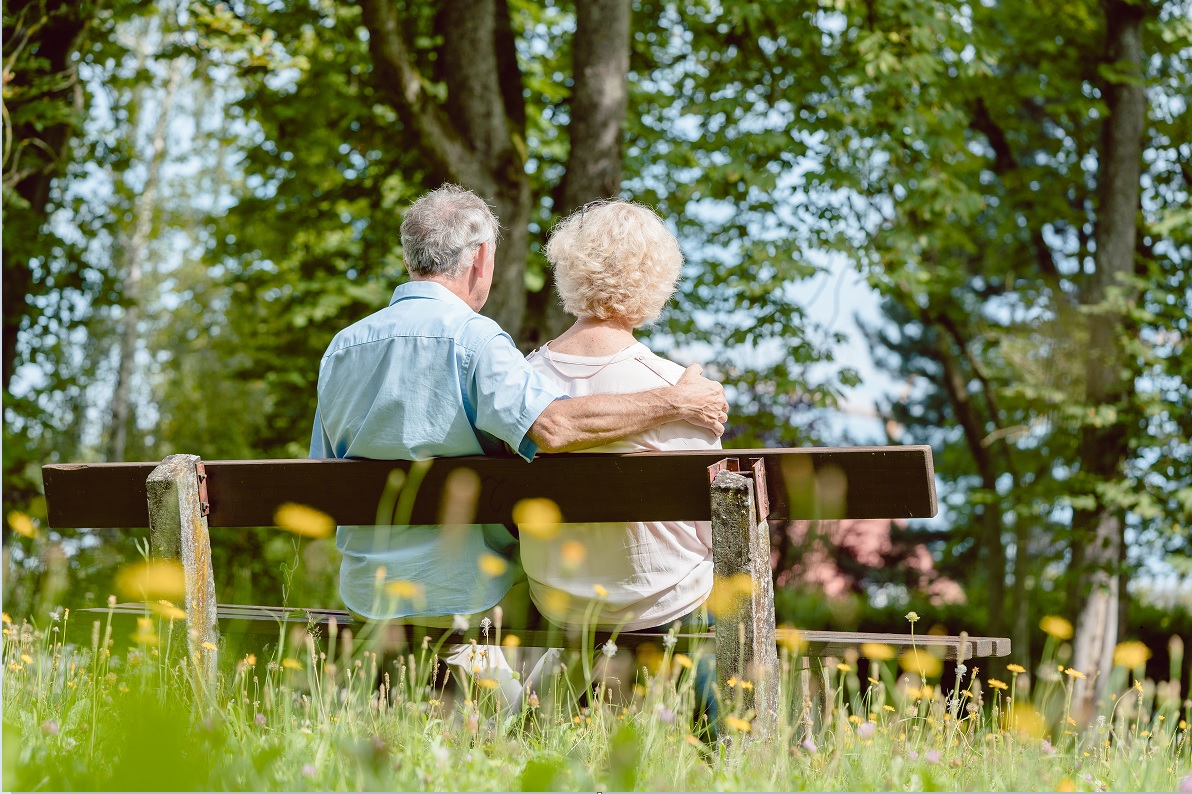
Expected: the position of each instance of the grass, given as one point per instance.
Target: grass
(96, 707)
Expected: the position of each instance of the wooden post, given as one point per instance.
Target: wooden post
(746, 647)
(178, 530)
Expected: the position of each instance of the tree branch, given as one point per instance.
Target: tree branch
(449, 155)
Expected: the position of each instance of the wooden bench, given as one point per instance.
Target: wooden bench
(739, 491)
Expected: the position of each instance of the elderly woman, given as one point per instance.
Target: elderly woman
(616, 266)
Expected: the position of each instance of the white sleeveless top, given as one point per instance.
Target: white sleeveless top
(654, 572)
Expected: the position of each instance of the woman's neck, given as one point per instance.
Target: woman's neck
(594, 337)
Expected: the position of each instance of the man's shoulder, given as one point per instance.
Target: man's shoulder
(422, 318)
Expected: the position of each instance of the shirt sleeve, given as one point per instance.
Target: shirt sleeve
(509, 395)
(320, 444)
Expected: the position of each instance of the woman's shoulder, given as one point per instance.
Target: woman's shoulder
(663, 367)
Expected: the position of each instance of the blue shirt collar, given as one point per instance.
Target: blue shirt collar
(426, 289)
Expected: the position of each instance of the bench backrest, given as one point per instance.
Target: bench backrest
(854, 482)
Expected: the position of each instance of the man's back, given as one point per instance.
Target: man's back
(425, 377)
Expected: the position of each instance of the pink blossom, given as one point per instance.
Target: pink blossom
(1185, 784)
(809, 745)
(866, 730)
(932, 756)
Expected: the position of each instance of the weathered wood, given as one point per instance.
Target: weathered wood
(890, 482)
(743, 596)
(178, 531)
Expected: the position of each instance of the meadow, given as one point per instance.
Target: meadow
(92, 702)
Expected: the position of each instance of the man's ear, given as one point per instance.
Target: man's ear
(480, 262)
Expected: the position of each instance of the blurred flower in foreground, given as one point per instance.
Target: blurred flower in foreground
(538, 518)
(492, 565)
(917, 660)
(22, 524)
(1185, 784)
(1131, 654)
(932, 756)
(877, 651)
(866, 730)
(1057, 627)
(808, 744)
(167, 610)
(152, 580)
(403, 589)
(302, 520)
(738, 724)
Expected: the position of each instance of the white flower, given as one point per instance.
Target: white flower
(961, 669)
(609, 649)
(459, 623)
(55, 616)
(485, 625)
(669, 640)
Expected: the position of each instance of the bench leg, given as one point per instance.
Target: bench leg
(746, 647)
(178, 531)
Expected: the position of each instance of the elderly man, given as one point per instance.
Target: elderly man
(427, 377)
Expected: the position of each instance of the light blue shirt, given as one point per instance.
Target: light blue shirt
(425, 377)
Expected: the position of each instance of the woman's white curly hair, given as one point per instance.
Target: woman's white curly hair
(615, 260)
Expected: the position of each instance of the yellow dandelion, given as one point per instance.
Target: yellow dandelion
(683, 660)
(920, 661)
(573, 553)
(151, 580)
(791, 638)
(727, 591)
(996, 684)
(601, 591)
(250, 659)
(26, 658)
(302, 520)
(1131, 654)
(167, 610)
(291, 664)
(404, 589)
(844, 668)
(1027, 721)
(510, 641)
(486, 683)
(888, 707)
(211, 646)
(1016, 668)
(877, 651)
(747, 685)
(1072, 672)
(492, 565)
(4, 617)
(738, 724)
(1057, 627)
(732, 681)
(22, 524)
(555, 601)
(538, 518)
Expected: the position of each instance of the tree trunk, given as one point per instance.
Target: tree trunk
(1104, 449)
(145, 207)
(599, 101)
(476, 137)
(38, 150)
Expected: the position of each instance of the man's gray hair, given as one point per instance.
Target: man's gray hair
(442, 230)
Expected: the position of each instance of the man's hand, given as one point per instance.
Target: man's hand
(701, 401)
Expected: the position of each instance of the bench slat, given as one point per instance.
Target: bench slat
(268, 619)
(891, 482)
